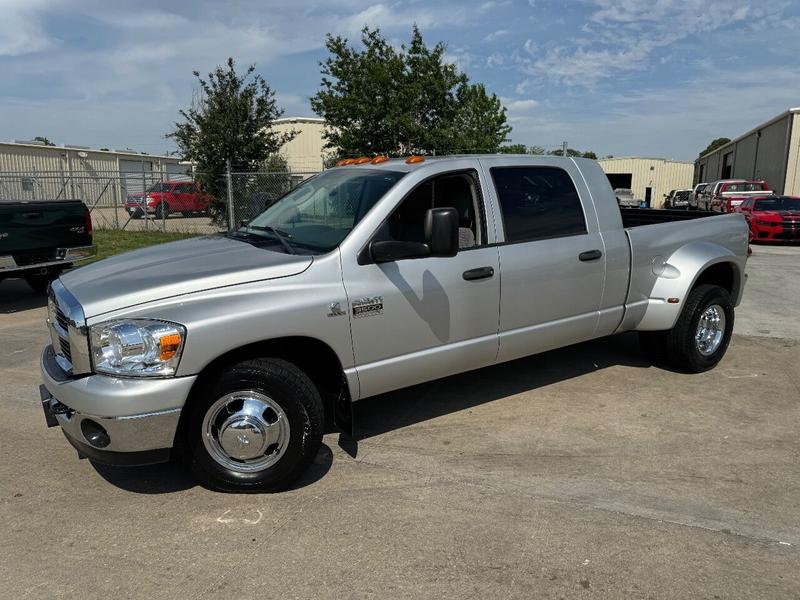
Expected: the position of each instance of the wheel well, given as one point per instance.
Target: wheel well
(723, 274)
(314, 357)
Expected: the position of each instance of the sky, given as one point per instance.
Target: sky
(658, 78)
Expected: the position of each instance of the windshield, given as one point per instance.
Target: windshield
(745, 186)
(318, 214)
(159, 187)
(779, 203)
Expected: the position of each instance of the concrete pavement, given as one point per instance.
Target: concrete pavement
(584, 472)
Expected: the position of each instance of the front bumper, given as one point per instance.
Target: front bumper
(114, 420)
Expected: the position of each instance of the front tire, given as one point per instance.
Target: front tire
(256, 428)
(162, 210)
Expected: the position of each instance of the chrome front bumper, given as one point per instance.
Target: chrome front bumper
(137, 418)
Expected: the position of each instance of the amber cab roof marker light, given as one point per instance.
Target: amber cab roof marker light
(414, 159)
(361, 160)
(379, 159)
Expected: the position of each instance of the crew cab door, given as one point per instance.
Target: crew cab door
(419, 319)
(553, 257)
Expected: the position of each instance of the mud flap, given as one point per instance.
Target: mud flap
(343, 414)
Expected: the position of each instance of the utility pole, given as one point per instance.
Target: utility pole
(564, 149)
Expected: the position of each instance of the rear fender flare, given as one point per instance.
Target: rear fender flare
(677, 276)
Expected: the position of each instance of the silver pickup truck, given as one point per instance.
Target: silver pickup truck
(230, 350)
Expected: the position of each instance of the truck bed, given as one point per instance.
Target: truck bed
(637, 217)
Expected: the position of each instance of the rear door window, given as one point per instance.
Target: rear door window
(538, 203)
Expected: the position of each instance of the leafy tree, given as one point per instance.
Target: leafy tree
(521, 149)
(717, 143)
(231, 120)
(44, 140)
(572, 153)
(381, 99)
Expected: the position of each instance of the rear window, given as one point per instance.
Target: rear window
(744, 186)
(779, 203)
(538, 203)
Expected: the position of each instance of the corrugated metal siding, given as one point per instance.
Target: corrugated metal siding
(659, 174)
(29, 172)
(762, 153)
(305, 153)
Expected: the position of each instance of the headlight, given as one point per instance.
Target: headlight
(137, 348)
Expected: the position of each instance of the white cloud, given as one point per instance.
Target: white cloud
(621, 35)
(21, 30)
(496, 34)
(518, 107)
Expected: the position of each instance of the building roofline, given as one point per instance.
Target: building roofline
(299, 120)
(784, 114)
(87, 149)
(688, 162)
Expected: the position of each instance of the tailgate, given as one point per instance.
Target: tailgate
(37, 225)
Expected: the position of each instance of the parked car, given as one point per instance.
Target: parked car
(695, 195)
(677, 199)
(230, 349)
(626, 198)
(772, 218)
(726, 194)
(162, 199)
(40, 239)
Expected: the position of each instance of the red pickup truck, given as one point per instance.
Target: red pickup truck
(772, 218)
(161, 199)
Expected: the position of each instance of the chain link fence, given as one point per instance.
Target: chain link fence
(153, 201)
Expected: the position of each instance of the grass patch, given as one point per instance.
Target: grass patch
(110, 242)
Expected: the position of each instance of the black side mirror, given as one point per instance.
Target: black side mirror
(441, 231)
(441, 239)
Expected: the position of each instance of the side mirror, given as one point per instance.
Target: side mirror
(441, 231)
(441, 239)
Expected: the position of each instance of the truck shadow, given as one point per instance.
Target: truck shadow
(174, 476)
(420, 403)
(395, 410)
(16, 295)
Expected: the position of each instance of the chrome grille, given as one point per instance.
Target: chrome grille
(67, 330)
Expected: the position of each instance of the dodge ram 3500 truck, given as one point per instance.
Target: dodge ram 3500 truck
(383, 273)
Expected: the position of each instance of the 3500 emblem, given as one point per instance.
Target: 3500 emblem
(366, 307)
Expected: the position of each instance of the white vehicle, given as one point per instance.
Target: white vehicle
(625, 198)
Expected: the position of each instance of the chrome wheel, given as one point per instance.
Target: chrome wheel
(710, 330)
(246, 431)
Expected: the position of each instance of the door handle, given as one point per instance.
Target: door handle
(479, 273)
(589, 255)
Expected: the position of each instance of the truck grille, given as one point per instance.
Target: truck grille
(67, 330)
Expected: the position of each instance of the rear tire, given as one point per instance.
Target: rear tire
(256, 428)
(701, 335)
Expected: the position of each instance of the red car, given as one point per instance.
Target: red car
(161, 199)
(772, 218)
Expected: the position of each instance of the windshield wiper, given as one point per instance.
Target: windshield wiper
(279, 235)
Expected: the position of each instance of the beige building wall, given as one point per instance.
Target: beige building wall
(792, 184)
(305, 153)
(659, 174)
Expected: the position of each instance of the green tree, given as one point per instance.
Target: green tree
(231, 120)
(44, 140)
(521, 149)
(716, 143)
(590, 154)
(381, 99)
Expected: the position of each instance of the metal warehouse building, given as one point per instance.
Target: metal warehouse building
(33, 171)
(650, 178)
(770, 152)
(306, 152)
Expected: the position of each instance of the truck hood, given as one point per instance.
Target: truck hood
(175, 269)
